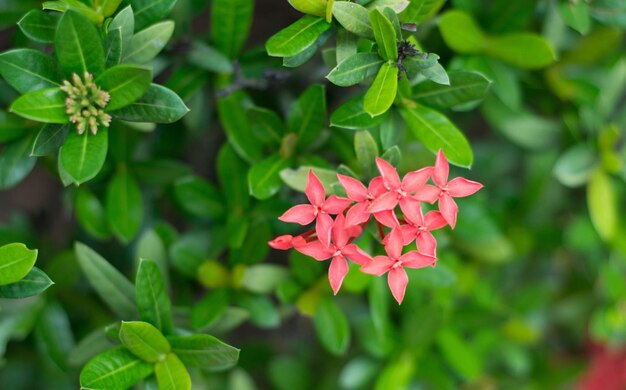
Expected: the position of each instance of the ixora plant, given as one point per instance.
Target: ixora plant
(240, 213)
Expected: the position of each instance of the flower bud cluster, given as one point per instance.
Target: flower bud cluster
(85, 103)
(333, 238)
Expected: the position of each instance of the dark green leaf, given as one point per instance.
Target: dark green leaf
(158, 104)
(264, 177)
(90, 214)
(39, 26)
(204, 351)
(232, 173)
(297, 37)
(171, 374)
(151, 296)
(28, 70)
(331, 326)
(44, 105)
(144, 341)
(115, 369)
(150, 11)
(307, 116)
(208, 310)
(82, 155)
(15, 162)
(230, 25)
(385, 35)
(352, 115)
(459, 354)
(381, 95)
(124, 205)
(147, 43)
(34, 283)
(420, 10)
(262, 311)
(208, 58)
(233, 117)
(113, 47)
(199, 198)
(124, 21)
(353, 17)
(16, 261)
(125, 84)
(78, 45)
(465, 91)
(266, 124)
(355, 69)
(49, 140)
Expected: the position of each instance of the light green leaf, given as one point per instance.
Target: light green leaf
(125, 84)
(382, 93)
(352, 115)
(90, 214)
(310, 7)
(465, 91)
(574, 167)
(230, 25)
(208, 58)
(264, 278)
(115, 369)
(151, 296)
(354, 18)
(436, 73)
(602, 203)
(83, 155)
(576, 15)
(28, 70)
(44, 105)
(78, 45)
(307, 115)
(355, 69)
(158, 104)
(147, 43)
(108, 7)
(525, 50)
(39, 26)
(459, 354)
(366, 150)
(16, 261)
(148, 12)
(171, 374)
(346, 46)
(264, 177)
(34, 283)
(396, 6)
(204, 351)
(461, 32)
(385, 35)
(297, 37)
(420, 10)
(144, 341)
(113, 47)
(297, 178)
(331, 326)
(124, 205)
(435, 131)
(124, 21)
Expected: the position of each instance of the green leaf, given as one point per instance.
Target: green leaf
(49, 140)
(112, 287)
(158, 104)
(458, 354)
(124, 205)
(83, 155)
(461, 32)
(266, 124)
(115, 369)
(331, 326)
(366, 150)
(347, 45)
(603, 205)
(12, 127)
(113, 47)
(435, 131)
(352, 115)
(16, 261)
(108, 7)
(466, 90)
(124, 21)
(307, 115)
(576, 15)
(420, 10)
(263, 312)
(233, 117)
(125, 84)
(574, 167)
(354, 18)
(207, 311)
(385, 35)
(144, 341)
(15, 162)
(28, 70)
(436, 73)
(151, 296)
(396, 6)
(205, 57)
(297, 37)
(204, 351)
(171, 374)
(264, 177)
(232, 173)
(44, 105)
(355, 69)
(199, 197)
(310, 7)
(39, 26)
(148, 12)
(297, 178)
(34, 283)
(230, 25)
(78, 45)
(90, 214)
(525, 50)
(147, 43)
(382, 93)
(264, 278)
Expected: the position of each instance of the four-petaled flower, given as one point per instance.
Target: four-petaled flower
(419, 227)
(397, 191)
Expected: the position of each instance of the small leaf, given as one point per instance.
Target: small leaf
(232, 115)
(576, 15)
(382, 93)
(384, 34)
(366, 149)
(28, 70)
(78, 45)
(307, 115)
(264, 177)
(90, 214)
(199, 197)
(207, 311)
(113, 47)
(16, 261)
(144, 341)
(208, 58)
(355, 69)
(574, 167)
(44, 105)
(204, 351)
(525, 50)
(151, 296)
(435, 131)
(420, 10)
(115, 369)
(125, 84)
(602, 203)
(39, 26)
(34, 283)
(354, 18)
(297, 37)
(171, 374)
(83, 155)
(232, 172)
(230, 25)
(49, 140)
(124, 205)
(436, 73)
(147, 43)
(352, 115)
(461, 32)
(148, 12)
(310, 7)
(331, 326)
(158, 104)
(465, 91)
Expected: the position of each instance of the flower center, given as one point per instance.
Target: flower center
(85, 103)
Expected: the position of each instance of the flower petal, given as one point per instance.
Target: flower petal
(426, 243)
(412, 210)
(354, 188)
(339, 233)
(337, 272)
(387, 218)
(441, 170)
(460, 187)
(427, 193)
(414, 180)
(409, 234)
(389, 174)
(356, 254)
(394, 244)
(397, 280)
(357, 214)
(315, 190)
(448, 209)
(415, 259)
(377, 187)
(303, 214)
(378, 266)
(323, 227)
(387, 201)
(316, 250)
(335, 204)
(282, 242)
(433, 220)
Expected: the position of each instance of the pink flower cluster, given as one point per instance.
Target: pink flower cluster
(333, 238)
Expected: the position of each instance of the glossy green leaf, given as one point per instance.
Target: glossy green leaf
(113, 47)
(355, 69)
(15, 162)
(297, 37)
(124, 205)
(381, 95)
(112, 287)
(310, 7)
(233, 118)
(204, 351)
(352, 115)
(28, 70)
(465, 91)
(603, 204)
(49, 139)
(151, 296)
(159, 104)
(266, 124)
(420, 10)
(34, 283)
(124, 21)
(230, 25)
(78, 45)
(115, 369)
(435, 131)
(297, 178)
(199, 197)
(366, 150)
(264, 177)
(83, 155)
(144, 341)
(346, 45)
(147, 43)
(331, 326)
(385, 35)
(307, 115)
(354, 18)
(462, 33)
(525, 50)
(39, 26)
(148, 12)
(16, 261)
(436, 73)
(90, 214)
(171, 374)
(208, 58)
(44, 105)
(125, 84)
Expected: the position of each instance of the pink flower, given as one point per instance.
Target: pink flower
(445, 190)
(339, 250)
(320, 209)
(418, 227)
(394, 264)
(397, 191)
(286, 241)
(356, 191)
